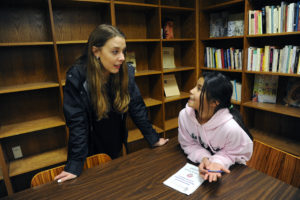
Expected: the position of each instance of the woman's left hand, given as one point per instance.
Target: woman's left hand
(161, 142)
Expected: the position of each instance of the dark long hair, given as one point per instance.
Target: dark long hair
(95, 74)
(217, 87)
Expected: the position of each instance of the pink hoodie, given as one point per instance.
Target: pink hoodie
(220, 139)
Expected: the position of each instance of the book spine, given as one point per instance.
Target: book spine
(298, 8)
(272, 19)
(296, 16)
(263, 13)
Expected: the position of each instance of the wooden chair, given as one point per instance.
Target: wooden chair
(275, 163)
(48, 175)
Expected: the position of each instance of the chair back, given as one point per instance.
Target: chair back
(95, 160)
(47, 176)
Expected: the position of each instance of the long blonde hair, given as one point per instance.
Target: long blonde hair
(96, 79)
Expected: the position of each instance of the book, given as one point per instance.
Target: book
(218, 24)
(236, 90)
(130, 58)
(265, 88)
(235, 25)
(292, 97)
(170, 85)
(168, 58)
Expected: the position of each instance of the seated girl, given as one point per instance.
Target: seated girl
(211, 132)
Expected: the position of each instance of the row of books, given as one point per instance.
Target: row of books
(223, 58)
(272, 59)
(224, 24)
(275, 19)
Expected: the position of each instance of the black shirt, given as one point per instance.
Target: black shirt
(107, 138)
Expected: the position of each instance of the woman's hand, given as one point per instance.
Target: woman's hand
(161, 142)
(64, 176)
(206, 165)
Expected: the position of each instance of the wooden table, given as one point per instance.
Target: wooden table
(140, 175)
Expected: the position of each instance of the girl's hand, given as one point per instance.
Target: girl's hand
(211, 176)
(203, 167)
(64, 176)
(161, 142)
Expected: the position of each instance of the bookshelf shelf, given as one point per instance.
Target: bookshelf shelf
(42, 160)
(183, 95)
(26, 87)
(71, 42)
(91, 1)
(178, 40)
(12, 44)
(171, 124)
(178, 69)
(135, 134)
(285, 34)
(135, 4)
(152, 102)
(235, 102)
(222, 70)
(223, 38)
(290, 146)
(222, 5)
(146, 72)
(275, 108)
(142, 40)
(273, 73)
(30, 126)
(177, 9)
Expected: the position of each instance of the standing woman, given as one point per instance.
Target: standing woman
(99, 91)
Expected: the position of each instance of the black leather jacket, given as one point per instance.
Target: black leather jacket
(78, 114)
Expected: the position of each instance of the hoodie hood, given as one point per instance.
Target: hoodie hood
(219, 118)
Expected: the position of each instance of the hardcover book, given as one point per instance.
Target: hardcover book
(168, 58)
(235, 24)
(170, 85)
(265, 88)
(218, 24)
(292, 97)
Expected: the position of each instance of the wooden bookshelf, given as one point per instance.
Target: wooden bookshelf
(46, 37)
(273, 125)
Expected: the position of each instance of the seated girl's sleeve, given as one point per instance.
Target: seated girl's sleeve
(191, 147)
(238, 149)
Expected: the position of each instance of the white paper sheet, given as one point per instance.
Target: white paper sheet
(186, 180)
